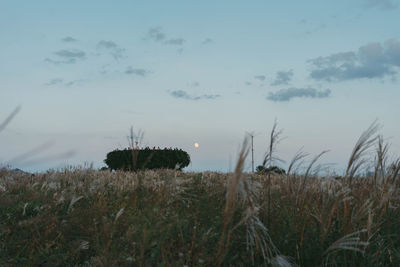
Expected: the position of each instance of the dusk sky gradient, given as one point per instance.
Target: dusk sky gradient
(84, 72)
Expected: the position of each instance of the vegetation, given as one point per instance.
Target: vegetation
(105, 219)
(138, 159)
(273, 169)
(167, 217)
(86, 217)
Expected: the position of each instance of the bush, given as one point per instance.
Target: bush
(273, 170)
(138, 159)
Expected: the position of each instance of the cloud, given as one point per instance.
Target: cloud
(382, 4)
(194, 84)
(285, 95)
(157, 35)
(176, 41)
(282, 77)
(260, 77)
(207, 41)
(311, 27)
(56, 62)
(303, 21)
(74, 82)
(67, 56)
(69, 39)
(59, 81)
(54, 81)
(75, 54)
(139, 72)
(184, 95)
(248, 83)
(116, 51)
(373, 60)
(107, 44)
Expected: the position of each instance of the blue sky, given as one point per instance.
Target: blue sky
(83, 72)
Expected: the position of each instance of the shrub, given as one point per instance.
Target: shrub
(138, 159)
(273, 170)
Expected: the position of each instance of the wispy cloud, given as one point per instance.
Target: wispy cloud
(139, 72)
(76, 54)
(382, 4)
(374, 60)
(107, 44)
(74, 82)
(285, 95)
(194, 84)
(260, 77)
(54, 81)
(184, 95)
(67, 56)
(59, 81)
(176, 41)
(312, 27)
(115, 50)
(69, 39)
(283, 77)
(207, 41)
(303, 21)
(157, 35)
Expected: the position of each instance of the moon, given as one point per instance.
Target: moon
(196, 145)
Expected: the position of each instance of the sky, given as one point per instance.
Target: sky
(84, 72)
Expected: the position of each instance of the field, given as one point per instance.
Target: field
(80, 216)
(88, 217)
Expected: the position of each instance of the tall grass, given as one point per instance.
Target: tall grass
(82, 216)
(9, 118)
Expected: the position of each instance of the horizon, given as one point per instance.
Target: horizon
(196, 72)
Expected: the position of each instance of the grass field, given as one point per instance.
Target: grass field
(86, 217)
(171, 218)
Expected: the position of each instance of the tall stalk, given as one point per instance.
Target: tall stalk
(274, 139)
(9, 118)
(364, 143)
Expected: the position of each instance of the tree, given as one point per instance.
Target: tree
(270, 170)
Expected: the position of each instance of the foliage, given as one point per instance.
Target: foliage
(138, 159)
(273, 170)
(101, 218)
(83, 217)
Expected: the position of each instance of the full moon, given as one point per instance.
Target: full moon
(196, 145)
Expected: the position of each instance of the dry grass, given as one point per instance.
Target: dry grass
(81, 216)
(88, 217)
